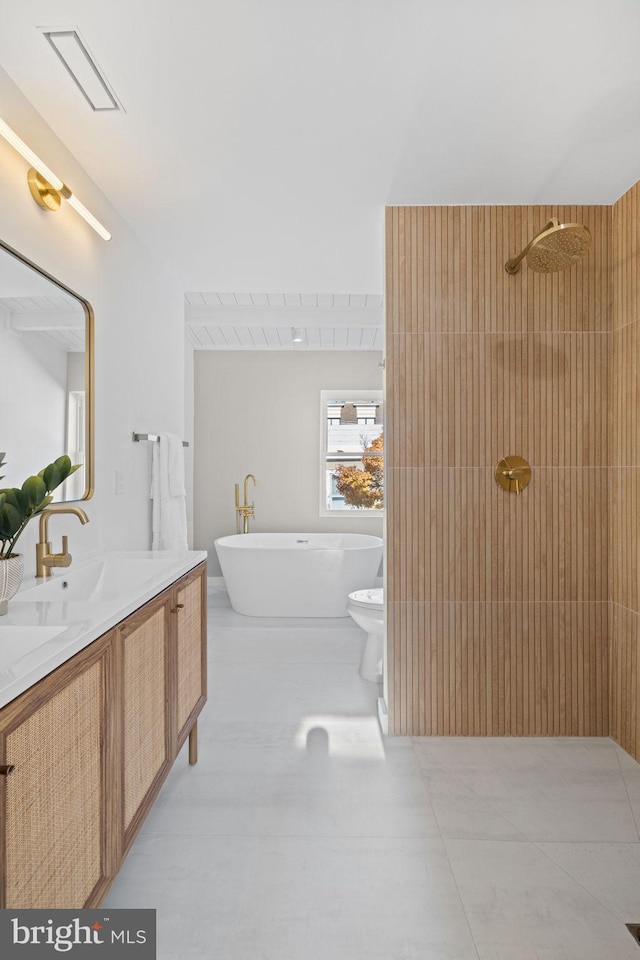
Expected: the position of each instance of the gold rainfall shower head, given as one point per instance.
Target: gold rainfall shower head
(556, 247)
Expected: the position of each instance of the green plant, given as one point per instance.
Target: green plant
(19, 504)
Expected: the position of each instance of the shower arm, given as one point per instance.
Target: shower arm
(512, 266)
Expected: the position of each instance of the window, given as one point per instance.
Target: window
(366, 412)
(73, 487)
(334, 412)
(352, 454)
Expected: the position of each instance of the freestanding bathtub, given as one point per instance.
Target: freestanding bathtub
(297, 574)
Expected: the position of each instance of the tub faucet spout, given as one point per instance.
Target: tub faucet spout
(245, 510)
(248, 477)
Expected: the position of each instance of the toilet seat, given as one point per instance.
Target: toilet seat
(372, 599)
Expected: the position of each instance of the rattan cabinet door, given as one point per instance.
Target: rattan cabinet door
(55, 801)
(191, 632)
(144, 638)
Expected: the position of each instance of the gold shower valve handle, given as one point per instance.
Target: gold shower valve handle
(513, 474)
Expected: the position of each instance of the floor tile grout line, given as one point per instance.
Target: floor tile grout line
(593, 896)
(486, 801)
(526, 840)
(426, 787)
(626, 788)
(289, 663)
(462, 903)
(443, 840)
(320, 837)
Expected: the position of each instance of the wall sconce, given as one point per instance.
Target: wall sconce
(47, 189)
(297, 335)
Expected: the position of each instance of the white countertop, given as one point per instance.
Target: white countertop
(66, 627)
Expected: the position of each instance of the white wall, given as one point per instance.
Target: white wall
(139, 315)
(189, 435)
(75, 370)
(259, 412)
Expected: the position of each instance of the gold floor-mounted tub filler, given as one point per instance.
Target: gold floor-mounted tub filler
(556, 247)
(244, 510)
(513, 474)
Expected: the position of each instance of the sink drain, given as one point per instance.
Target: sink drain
(634, 930)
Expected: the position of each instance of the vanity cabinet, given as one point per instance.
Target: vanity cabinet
(144, 652)
(56, 802)
(163, 652)
(190, 654)
(90, 746)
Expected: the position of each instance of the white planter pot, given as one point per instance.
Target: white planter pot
(10, 579)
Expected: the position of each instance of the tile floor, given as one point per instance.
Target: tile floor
(303, 834)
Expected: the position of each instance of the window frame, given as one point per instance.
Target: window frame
(349, 396)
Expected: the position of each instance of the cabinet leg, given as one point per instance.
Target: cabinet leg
(193, 744)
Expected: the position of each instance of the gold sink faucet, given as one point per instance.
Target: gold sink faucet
(45, 559)
(245, 510)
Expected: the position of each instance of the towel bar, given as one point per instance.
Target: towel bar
(136, 437)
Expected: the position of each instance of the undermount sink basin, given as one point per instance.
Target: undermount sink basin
(16, 642)
(103, 580)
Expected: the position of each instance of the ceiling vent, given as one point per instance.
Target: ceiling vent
(74, 54)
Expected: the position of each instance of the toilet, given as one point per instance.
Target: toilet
(367, 609)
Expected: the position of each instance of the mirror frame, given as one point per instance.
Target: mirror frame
(89, 372)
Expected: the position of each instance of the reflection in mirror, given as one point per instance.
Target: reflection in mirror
(46, 339)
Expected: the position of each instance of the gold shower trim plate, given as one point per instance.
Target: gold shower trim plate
(513, 474)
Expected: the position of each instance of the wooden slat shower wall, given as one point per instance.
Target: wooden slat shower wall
(497, 604)
(624, 546)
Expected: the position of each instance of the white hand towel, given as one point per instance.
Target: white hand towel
(169, 518)
(175, 466)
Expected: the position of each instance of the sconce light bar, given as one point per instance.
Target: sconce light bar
(46, 188)
(80, 208)
(28, 154)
